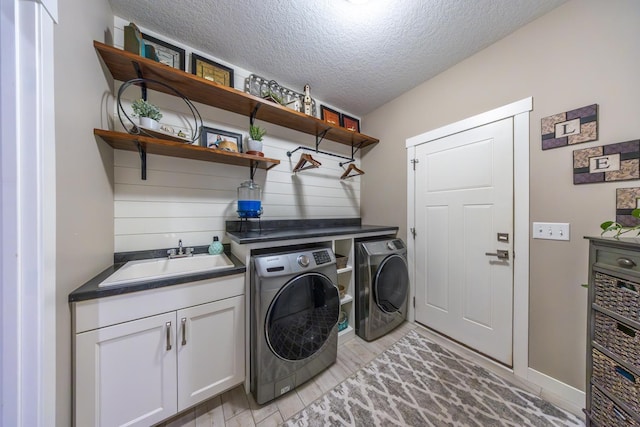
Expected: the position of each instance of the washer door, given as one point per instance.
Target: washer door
(301, 316)
(391, 284)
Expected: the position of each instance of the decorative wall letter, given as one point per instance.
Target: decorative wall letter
(626, 201)
(573, 127)
(614, 162)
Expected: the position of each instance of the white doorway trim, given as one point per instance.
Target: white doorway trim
(27, 219)
(519, 110)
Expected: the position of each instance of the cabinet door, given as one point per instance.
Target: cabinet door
(210, 350)
(126, 374)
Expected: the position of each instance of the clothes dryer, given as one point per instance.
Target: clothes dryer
(382, 286)
(294, 313)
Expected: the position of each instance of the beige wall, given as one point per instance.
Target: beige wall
(582, 53)
(84, 193)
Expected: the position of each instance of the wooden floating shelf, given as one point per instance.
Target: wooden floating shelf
(125, 66)
(164, 147)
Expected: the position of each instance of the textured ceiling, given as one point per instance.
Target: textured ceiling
(354, 57)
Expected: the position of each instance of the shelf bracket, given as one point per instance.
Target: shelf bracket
(320, 136)
(354, 150)
(143, 85)
(252, 117)
(143, 161)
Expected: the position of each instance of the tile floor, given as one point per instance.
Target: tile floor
(237, 408)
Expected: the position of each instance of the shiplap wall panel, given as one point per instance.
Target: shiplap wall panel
(191, 200)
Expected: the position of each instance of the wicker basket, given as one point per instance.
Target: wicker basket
(606, 413)
(620, 339)
(618, 295)
(341, 261)
(622, 383)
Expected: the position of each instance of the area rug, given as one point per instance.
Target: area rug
(418, 383)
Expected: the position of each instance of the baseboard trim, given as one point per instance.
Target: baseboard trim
(553, 389)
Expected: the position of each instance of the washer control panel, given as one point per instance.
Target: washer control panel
(303, 260)
(322, 257)
(284, 263)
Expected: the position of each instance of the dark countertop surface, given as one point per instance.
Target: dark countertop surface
(299, 229)
(242, 232)
(90, 290)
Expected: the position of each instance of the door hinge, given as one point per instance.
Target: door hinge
(413, 232)
(414, 161)
(414, 302)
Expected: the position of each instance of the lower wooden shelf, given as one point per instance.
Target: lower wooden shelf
(163, 147)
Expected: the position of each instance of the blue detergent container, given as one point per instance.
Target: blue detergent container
(249, 200)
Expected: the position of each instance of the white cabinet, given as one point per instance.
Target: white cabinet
(125, 375)
(210, 353)
(136, 369)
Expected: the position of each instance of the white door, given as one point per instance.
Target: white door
(126, 373)
(210, 350)
(464, 213)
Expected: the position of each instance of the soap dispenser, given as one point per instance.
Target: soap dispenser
(215, 247)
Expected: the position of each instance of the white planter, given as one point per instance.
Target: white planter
(149, 123)
(254, 145)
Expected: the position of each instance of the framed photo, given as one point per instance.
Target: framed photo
(212, 71)
(350, 123)
(219, 139)
(168, 54)
(330, 116)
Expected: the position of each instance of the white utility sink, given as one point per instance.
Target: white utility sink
(162, 268)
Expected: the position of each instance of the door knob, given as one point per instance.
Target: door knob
(502, 255)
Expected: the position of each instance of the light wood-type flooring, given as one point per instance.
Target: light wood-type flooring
(237, 408)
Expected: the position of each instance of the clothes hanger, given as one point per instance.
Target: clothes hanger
(306, 158)
(351, 171)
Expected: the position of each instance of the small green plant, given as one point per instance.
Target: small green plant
(142, 108)
(256, 132)
(619, 229)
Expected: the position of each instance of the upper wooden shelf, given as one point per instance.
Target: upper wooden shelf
(123, 66)
(125, 141)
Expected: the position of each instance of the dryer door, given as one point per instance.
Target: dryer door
(301, 316)
(391, 284)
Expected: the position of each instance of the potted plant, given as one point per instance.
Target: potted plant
(148, 114)
(255, 139)
(619, 229)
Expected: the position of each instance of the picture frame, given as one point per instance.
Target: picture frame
(350, 123)
(607, 163)
(210, 70)
(168, 54)
(569, 128)
(213, 138)
(330, 116)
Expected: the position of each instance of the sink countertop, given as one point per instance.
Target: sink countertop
(272, 230)
(299, 229)
(90, 290)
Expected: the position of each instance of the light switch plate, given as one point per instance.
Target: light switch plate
(551, 230)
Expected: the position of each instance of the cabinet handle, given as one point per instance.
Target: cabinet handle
(626, 374)
(184, 330)
(168, 325)
(626, 330)
(626, 263)
(626, 285)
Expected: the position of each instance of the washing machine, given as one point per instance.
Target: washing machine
(294, 314)
(382, 286)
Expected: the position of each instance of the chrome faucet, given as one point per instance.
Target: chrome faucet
(181, 252)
